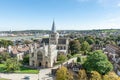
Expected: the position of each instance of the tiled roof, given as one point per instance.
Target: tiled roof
(16, 50)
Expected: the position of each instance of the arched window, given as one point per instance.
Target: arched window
(40, 64)
(46, 64)
(39, 56)
(33, 63)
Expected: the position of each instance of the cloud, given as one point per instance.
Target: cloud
(109, 3)
(113, 20)
(104, 3)
(118, 4)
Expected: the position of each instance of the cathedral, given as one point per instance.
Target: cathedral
(45, 53)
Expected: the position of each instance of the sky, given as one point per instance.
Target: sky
(67, 14)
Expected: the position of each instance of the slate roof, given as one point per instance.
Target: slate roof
(45, 40)
(62, 41)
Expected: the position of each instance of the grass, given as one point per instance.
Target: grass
(26, 70)
(3, 79)
(23, 70)
(76, 55)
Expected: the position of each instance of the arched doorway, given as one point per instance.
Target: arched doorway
(46, 64)
(40, 64)
(39, 58)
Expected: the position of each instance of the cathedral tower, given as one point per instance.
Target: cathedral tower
(54, 36)
(53, 27)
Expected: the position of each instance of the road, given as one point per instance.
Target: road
(44, 74)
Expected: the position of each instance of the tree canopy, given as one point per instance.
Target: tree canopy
(61, 57)
(26, 59)
(97, 61)
(11, 65)
(85, 47)
(95, 76)
(111, 76)
(82, 75)
(74, 46)
(63, 74)
(4, 56)
(5, 43)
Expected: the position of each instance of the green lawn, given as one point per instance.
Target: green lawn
(22, 70)
(3, 79)
(76, 55)
(27, 70)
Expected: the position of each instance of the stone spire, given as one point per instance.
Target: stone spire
(53, 27)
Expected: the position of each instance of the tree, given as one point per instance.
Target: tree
(79, 59)
(97, 41)
(11, 65)
(97, 61)
(70, 75)
(90, 41)
(61, 57)
(111, 76)
(82, 75)
(5, 43)
(69, 56)
(0, 58)
(27, 42)
(74, 46)
(63, 74)
(4, 56)
(81, 39)
(85, 47)
(95, 76)
(26, 59)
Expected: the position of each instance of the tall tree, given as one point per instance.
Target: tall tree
(62, 57)
(74, 46)
(79, 59)
(95, 76)
(97, 61)
(63, 74)
(111, 76)
(26, 59)
(90, 41)
(4, 56)
(5, 43)
(85, 47)
(11, 65)
(82, 75)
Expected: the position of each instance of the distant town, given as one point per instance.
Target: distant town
(71, 33)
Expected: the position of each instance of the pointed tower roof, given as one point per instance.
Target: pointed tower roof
(53, 27)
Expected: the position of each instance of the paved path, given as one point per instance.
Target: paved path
(43, 75)
(18, 76)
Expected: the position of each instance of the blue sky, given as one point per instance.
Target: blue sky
(68, 14)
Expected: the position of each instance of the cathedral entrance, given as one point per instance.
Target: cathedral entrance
(46, 64)
(39, 58)
(40, 64)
